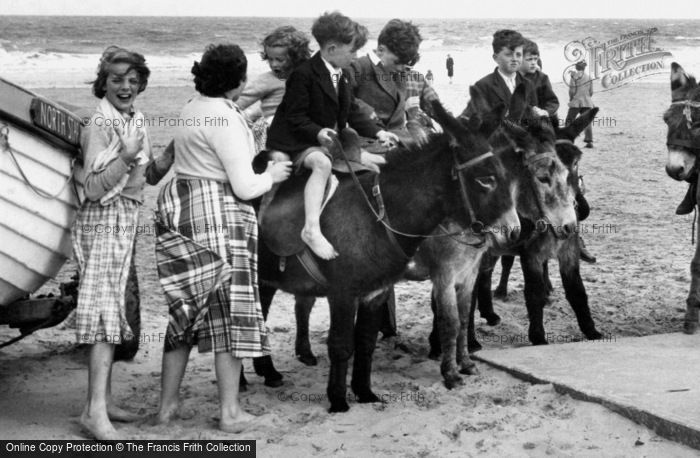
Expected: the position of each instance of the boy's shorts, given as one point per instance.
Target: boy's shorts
(299, 159)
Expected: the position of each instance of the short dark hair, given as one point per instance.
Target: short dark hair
(116, 55)
(505, 38)
(403, 39)
(223, 67)
(530, 47)
(340, 29)
(296, 42)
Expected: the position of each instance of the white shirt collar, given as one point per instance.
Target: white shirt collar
(332, 69)
(373, 58)
(509, 80)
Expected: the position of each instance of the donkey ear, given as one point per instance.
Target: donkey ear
(680, 82)
(418, 133)
(478, 99)
(579, 125)
(518, 103)
(449, 124)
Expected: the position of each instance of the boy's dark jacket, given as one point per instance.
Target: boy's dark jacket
(495, 92)
(546, 98)
(310, 104)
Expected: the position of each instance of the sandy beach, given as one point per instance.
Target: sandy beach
(638, 287)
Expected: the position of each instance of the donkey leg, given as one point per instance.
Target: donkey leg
(501, 291)
(548, 288)
(263, 365)
(483, 291)
(448, 322)
(302, 346)
(535, 297)
(464, 302)
(473, 344)
(341, 343)
(569, 268)
(690, 324)
(434, 338)
(369, 319)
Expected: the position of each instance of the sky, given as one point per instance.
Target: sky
(406, 9)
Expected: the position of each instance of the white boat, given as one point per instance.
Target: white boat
(40, 189)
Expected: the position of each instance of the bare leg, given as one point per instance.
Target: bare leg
(114, 412)
(311, 234)
(174, 365)
(233, 418)
(94, 416)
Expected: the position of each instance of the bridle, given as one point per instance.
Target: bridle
(542, 224)
(688, 114)
(476, 226)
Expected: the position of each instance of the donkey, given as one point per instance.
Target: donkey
(529, 158)
(455, 175)
(683, 142)
(536, 247)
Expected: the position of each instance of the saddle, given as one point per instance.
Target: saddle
(282, 220)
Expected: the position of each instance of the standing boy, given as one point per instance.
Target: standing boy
(318, 103)
(498, 87)
(580, 93)
(547, 100)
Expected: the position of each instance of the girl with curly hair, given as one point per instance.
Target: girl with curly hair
(283, 49)
(118, 162)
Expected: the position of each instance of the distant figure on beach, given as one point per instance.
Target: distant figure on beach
(283, 49)
(317, 105)
(580, 99)
(207, 235)
(450, 64)
(118, 163)
(429, 76)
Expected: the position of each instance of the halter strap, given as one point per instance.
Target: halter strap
(474, 161)
(563, 141)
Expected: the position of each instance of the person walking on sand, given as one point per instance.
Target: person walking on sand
(206, 245)
(450, 64)
(118, 162)
(580, 99)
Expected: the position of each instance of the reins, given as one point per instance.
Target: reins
(383, 218)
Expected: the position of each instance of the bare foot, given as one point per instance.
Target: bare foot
(246, 421)
(169, 413)
(318, 244)
(118, 414)
(99, 426)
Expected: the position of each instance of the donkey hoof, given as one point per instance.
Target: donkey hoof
(594, 335)
(538, 341)
(273, 382)
(307, 358)
(473, 346)
(453, 381)
(339, 405)
(690, 327)
(469, 369)
(493, 319)
(366, 397)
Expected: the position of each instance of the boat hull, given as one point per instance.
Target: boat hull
(40, 192)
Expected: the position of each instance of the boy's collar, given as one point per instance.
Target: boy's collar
(331, 69)
(511, 76)
(374, 58)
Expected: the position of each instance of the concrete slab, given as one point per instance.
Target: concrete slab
(653, 380)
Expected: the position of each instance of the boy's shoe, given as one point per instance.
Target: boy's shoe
(589, 144)
(688, 203)
(584, 254)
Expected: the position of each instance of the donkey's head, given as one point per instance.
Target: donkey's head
(683, 121)
(568, 152)
(526, 145)
(486, 191)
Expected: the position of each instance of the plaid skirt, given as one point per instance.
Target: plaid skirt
(103, 241)
(216, 307)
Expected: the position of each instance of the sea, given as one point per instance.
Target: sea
(63, 51)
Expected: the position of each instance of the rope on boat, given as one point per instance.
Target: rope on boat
(27, 332)
(5, 145)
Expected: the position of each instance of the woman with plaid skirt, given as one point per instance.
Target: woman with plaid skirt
(118, 162)
(206, 245)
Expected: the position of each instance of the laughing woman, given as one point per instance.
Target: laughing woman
(118, 163)
(207, 237)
